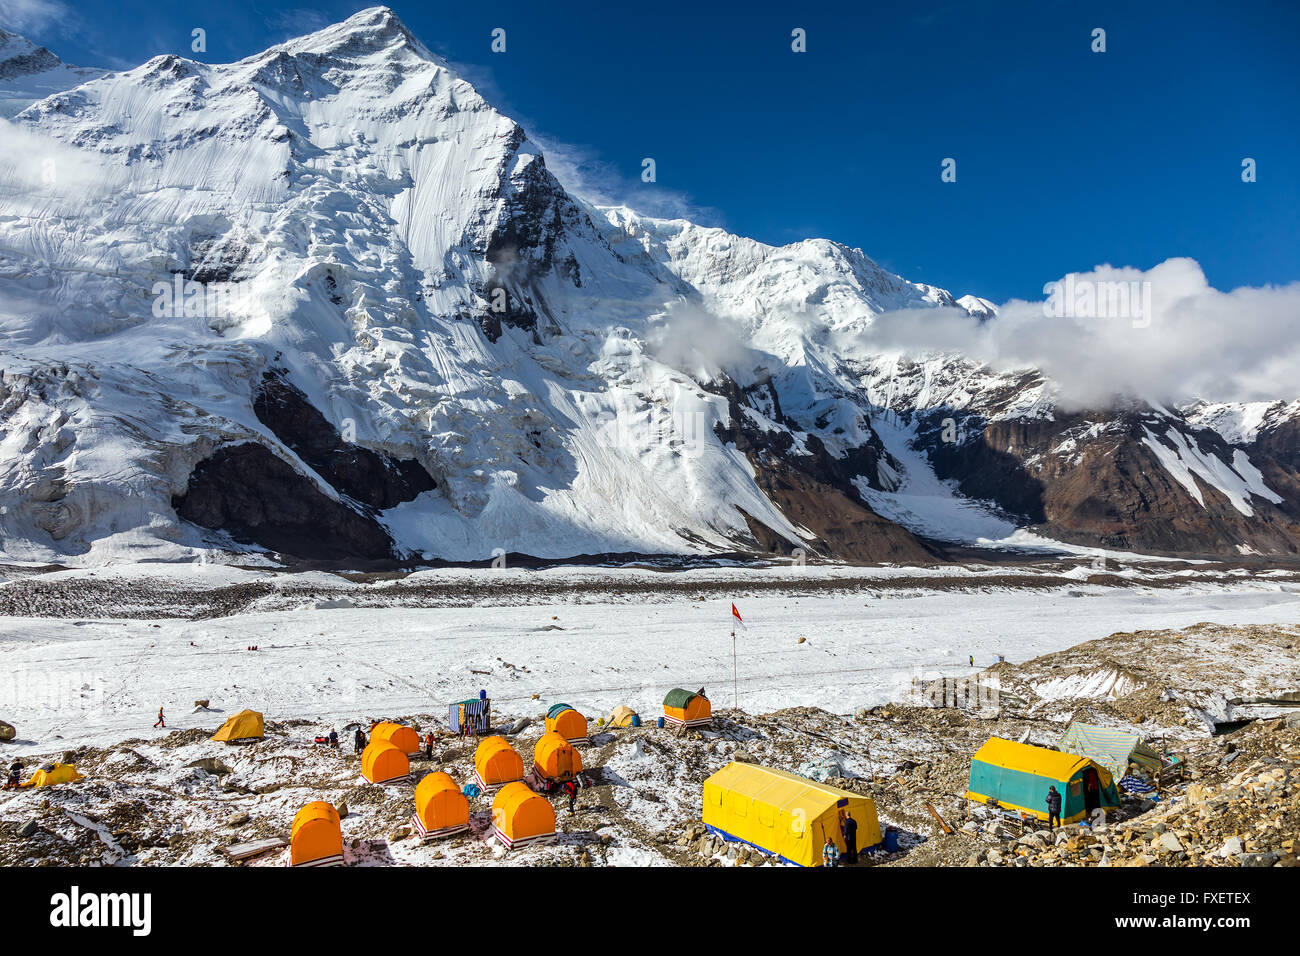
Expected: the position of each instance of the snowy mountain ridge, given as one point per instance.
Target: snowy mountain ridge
(397, 337)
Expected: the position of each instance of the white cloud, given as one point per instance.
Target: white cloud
(1175, 339)
(33, 16)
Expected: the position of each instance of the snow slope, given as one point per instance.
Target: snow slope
(109, 676)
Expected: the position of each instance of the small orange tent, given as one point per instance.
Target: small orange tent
(568, 723)
(497, 763)
(383, 763)
(555, 759)
(683, 707)
(400, 736)
(245, 725)
(520, 817)
(59, 773)
(316, 838)
(440, 808)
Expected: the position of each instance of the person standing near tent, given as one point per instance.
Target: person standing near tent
(830, 853)
(1053, 808)
(428, 746)
(334, 738)
(161, 721)
(849, 827)
(571, 788)
(358, 741)
(15, 775)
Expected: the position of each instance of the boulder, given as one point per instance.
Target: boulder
(7, 731)
(202, 704)
(28, 830)
(237, 819)
(1170, 842)
(1231, 847)
(210, 765)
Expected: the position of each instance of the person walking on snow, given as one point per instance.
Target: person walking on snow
(1053, 808)
(830, 853)
(161, 721)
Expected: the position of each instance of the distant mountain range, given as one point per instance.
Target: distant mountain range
(327, 302)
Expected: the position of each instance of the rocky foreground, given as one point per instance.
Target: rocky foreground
(180, 799)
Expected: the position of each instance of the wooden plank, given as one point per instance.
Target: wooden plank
(935, 813)
(246, 851)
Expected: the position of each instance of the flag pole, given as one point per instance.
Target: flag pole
(735, 681)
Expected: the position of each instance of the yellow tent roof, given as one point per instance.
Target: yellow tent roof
(780, 788)
(245, 725)
(1027, 758)
(784, 813)
(62, 773)
(621, 716)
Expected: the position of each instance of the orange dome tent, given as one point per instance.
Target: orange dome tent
(316, 838)
(568, 723)
(383, 763)
(683, 707)
(245, 725)
(497, 763)
(555, 759)
(440, 808)
(400, 736)
(58, 773)
(520, 817)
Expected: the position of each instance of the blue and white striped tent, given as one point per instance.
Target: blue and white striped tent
(1111, 748)
(477, 714)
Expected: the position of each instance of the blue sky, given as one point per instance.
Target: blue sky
(1065, 158)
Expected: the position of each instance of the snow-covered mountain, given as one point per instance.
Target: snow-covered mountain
(29, 73)
(328, 302)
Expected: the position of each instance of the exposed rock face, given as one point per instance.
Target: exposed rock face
(257, 498)
(369, 477)
(1095, 478)
(815, 490)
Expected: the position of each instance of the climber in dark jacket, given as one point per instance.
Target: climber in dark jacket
(1053, 808)
(359, 741)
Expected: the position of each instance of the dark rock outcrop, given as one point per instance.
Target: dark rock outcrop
(258, 498)
(1091, 478)
(369, 477)
(815, 490)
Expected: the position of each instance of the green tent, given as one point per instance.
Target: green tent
(1113, 749)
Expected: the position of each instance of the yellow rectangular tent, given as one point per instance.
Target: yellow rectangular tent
(784, 814)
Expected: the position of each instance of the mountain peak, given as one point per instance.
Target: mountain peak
(372, 29)
(29, 72)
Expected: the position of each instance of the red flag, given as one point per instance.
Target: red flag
(736, 615)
